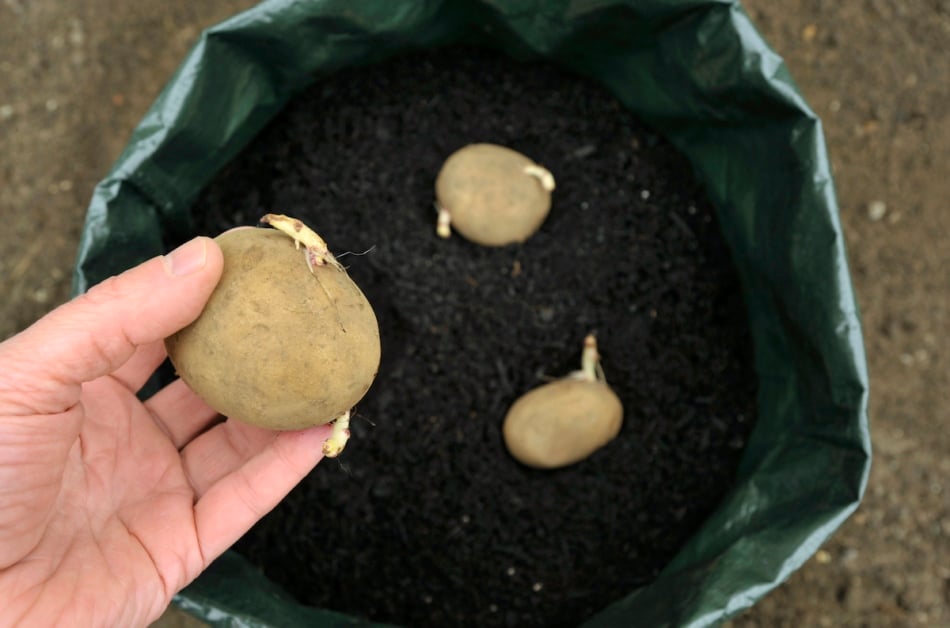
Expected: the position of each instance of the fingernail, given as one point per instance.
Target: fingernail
(188, 258)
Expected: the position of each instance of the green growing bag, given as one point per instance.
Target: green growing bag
(698, 72)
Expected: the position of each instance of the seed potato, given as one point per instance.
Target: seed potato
(492, 195)
(279, 345)
(565, 421)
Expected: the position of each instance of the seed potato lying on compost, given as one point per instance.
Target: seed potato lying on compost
(567, 420)
(561, 423)
(278, 345)
(492, 195)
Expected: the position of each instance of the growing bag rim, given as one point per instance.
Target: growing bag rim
(701, 75)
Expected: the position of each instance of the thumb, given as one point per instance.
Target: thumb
(42, 368)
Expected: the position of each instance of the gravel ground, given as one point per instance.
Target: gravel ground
(75, 78)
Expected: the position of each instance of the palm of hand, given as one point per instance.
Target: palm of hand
(111, 522)
(111, 526)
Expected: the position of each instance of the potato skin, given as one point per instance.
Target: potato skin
(561, 423)
(491, 200)
(277, 346)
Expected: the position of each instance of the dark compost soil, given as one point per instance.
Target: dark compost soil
(426, 520)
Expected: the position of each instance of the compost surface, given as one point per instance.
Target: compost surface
(425, 520)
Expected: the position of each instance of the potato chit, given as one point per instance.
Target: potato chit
(287, 339)
(563, 422)
(492, 195)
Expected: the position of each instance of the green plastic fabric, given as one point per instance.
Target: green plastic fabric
(699, 73)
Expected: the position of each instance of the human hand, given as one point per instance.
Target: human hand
(110, 506)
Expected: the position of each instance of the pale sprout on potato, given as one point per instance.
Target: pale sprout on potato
(284, 343)
(492, 195)
(316, 251)
(567, 420)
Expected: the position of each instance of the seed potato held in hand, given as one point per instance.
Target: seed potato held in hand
(287, 340)
(567, 420)
(492, 195)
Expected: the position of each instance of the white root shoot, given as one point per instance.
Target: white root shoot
(338, 437)
(444, 225)
(316, 251)
(591, 370)
(543, 175)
